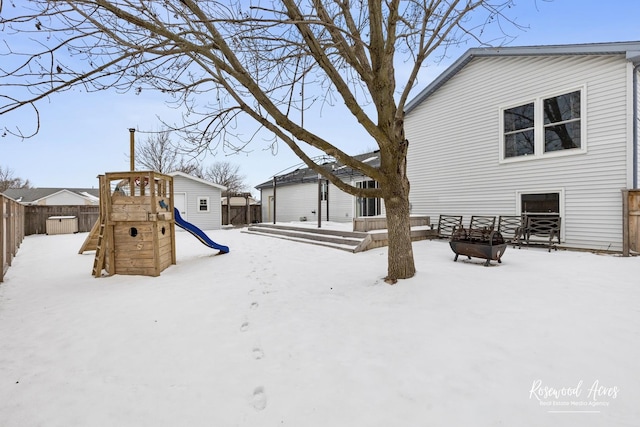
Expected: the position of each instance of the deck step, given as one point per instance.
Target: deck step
(351, 241)
(345, 240)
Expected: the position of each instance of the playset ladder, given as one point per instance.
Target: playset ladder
(98, 261)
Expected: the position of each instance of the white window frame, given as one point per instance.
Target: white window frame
(357, 200)
(538, 120)
(198, 205)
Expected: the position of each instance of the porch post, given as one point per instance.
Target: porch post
(274, 200)
(319, 201)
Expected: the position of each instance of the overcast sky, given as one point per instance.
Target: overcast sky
(83, 135)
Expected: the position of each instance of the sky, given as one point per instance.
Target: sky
(261, 336)
(83, 135)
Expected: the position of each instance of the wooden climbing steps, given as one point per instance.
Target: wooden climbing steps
(98, 261)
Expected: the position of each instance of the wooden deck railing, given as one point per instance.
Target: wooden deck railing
(11, 231)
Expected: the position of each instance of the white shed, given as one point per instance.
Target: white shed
(198, 200)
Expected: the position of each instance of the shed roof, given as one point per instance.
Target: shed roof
(196, 179)
(630, 49)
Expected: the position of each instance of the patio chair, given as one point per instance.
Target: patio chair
(510, 226)
(447, 224)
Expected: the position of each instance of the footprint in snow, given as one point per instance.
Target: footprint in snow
(257, 353)
(259, 399)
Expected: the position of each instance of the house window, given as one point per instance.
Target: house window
(562, 122)
(368, 206)
(547, 125)
(203, 204)
(519, 130)
(541, 203)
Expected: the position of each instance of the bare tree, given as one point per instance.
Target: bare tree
(271, 61)
(227, 174)
(159, 153)
(8, 180)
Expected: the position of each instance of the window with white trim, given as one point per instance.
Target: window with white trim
(543, 126)
(368, 206)
(203, 204)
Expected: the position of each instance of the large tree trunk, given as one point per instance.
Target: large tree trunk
(400, 251)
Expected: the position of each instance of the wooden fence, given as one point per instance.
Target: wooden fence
(35, 221)
(238, 214)
(630, 222)
(11, 231)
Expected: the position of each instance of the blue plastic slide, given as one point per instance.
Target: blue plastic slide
(198, 233)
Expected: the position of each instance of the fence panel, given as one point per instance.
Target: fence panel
(11, 231)
(239, 214)
(36, 217)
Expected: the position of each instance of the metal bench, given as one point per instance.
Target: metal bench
(546, 227)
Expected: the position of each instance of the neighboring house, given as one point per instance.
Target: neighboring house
(54, 196)
(541, 129)
(297, 193)
(198, 200)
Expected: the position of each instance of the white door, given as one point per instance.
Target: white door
(180, 203)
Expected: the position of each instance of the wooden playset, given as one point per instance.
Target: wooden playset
(135, 234)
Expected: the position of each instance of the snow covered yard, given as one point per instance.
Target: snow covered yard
(282, 333)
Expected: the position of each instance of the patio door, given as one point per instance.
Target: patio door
(368, 206)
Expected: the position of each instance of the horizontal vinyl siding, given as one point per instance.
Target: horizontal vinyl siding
(301, 200)
(454, 136)
(341, 205)
(294, 202)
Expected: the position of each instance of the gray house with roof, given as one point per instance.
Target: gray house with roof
(554, 129)
(54, 196)
(293, 195)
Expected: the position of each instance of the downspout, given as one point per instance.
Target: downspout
(635, 125)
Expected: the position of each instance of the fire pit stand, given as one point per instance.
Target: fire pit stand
(485, 243)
